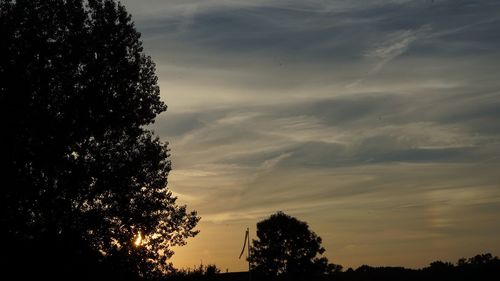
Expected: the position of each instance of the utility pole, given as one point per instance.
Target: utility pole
(246, 243)
(248, 256)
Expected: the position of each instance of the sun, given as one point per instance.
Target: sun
(138, 240)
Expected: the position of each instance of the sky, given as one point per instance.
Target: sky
(376, 122)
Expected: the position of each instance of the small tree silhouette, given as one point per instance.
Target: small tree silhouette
(286, 247)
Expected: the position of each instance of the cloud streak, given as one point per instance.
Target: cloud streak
(396, 45)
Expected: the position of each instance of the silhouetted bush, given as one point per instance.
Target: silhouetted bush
(203, 273)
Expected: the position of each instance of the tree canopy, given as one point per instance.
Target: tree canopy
(83, 177)
(286, 247)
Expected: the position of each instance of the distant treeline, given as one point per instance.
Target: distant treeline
(479, 267)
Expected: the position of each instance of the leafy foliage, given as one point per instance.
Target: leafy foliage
(82, 175)
(286, 247)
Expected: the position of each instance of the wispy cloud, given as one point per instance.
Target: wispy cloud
(395, 45)
(269, 164)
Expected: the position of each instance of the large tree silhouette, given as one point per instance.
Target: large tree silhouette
(82, 176)
(286, 247)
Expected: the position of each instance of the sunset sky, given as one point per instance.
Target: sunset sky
(377, 122)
